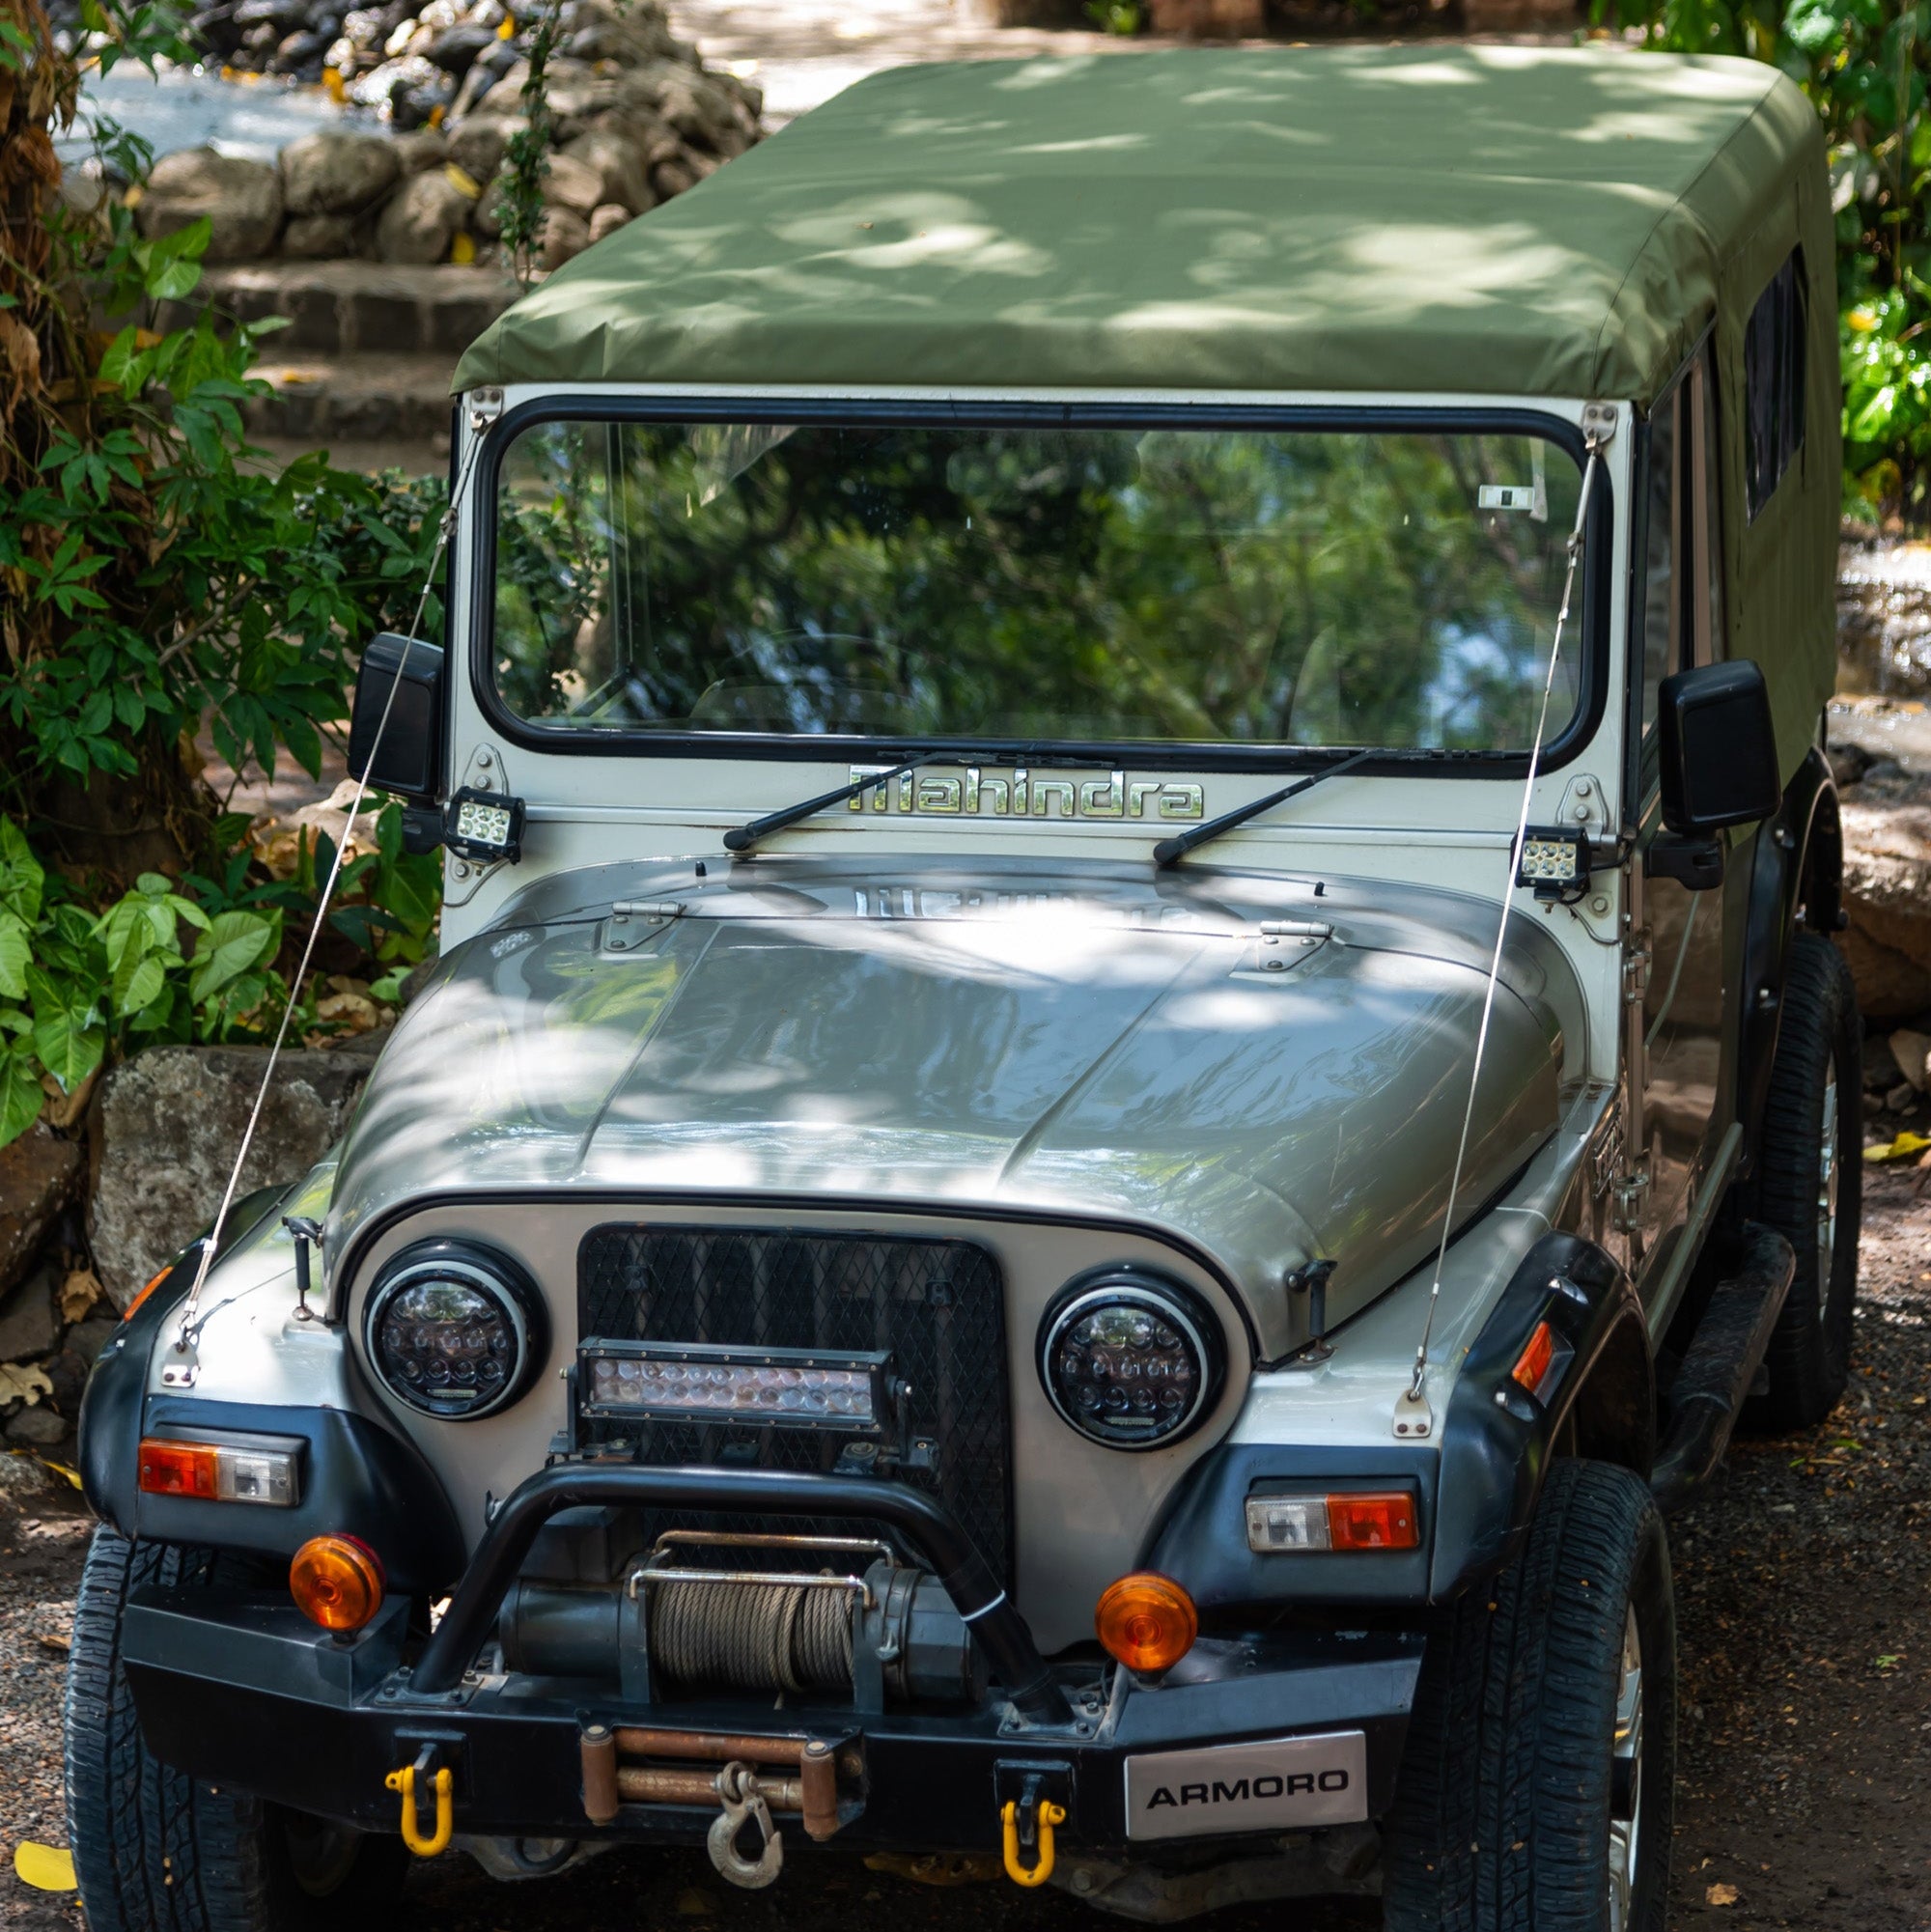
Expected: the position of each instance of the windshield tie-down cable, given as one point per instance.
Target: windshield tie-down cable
(1182, 843)
(182, 1371)
(1411, 1415)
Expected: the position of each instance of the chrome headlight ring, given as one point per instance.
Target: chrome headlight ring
(454, 1329)
(1130, 1358)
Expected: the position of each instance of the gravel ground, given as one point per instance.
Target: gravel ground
(1803, 1584)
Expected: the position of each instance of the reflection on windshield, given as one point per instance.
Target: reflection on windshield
(1079, 586)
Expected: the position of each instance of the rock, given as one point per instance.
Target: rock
(337, 172)
(477, 146)
(422, 150)
(39, 1174)
(22, 1476)
(573, 185)
(296, 51)
(607, 220)
(1901, 1098)
(242, 198)
(281, 14)
(618, 163)
(456, 49)
(422, 221)
(363, 25)
(28, 1324)
(321, 237)
(39, 1425)
(673, 176)
(156, 1186)
(1910, 1052)
(88, 1338)
(1888, 896)
(565, 236)
(383, 82)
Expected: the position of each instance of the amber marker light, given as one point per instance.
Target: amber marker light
(337, 1582)
(129, 1312)
(1532, 1367)
(1146, 1621)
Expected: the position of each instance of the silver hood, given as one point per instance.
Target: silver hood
(1082, 1044)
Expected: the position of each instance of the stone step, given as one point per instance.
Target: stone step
(328, 400)
(354, 308)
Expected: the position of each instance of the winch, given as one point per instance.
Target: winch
(886, 1633)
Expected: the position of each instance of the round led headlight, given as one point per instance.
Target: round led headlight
(1130, 1358)
(455, 1329)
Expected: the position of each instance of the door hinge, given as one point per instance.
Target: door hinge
(485, 406)
(1627, 1201)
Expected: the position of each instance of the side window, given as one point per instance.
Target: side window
(1774, 382)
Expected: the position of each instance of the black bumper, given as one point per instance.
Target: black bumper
(240, 1690)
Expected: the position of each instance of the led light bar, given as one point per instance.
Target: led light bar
(1359, 1520)
(1555, 861)
(484, 826)
(799, 1388)
(242, 1471)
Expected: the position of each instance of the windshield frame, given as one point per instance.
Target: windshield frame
(938, 411)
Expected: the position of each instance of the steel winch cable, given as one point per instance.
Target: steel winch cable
(1593, 442)
(188, 1333)
(752, 1637)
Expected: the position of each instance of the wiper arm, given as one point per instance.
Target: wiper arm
(741, 838)
(1181, 844)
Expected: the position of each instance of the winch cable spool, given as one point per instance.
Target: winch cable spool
(188, 1333)
(753, 1636)
(1594, 438)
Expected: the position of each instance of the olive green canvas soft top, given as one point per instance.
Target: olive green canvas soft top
(1469, 221)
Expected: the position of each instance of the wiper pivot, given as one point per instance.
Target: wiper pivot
(1181, 844)
(741, 838)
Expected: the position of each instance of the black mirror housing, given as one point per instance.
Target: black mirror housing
(408, 760)
(1717, 748)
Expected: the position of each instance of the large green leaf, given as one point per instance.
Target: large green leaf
(16, 952)
(20, 876)
(233, 943)
(68, 1044)
(20, 1095)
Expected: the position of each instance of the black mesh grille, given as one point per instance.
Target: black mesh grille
(938, 1306)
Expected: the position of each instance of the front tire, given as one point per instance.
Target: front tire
(155, 1851)
(1810, 1185)
(1536, 1790)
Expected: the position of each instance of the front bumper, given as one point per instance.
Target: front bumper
(239, 1689)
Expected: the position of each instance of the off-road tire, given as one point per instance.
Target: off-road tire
(1501, 1817)
(1809, 1360)
(155, 1851)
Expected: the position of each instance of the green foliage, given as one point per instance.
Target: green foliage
(1865, 66)
(527, 157)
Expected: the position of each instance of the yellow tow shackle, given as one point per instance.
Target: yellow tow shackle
(1049, 1815)
(404, 1781)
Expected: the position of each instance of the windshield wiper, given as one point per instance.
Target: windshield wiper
(1178, 847)
(741, 838)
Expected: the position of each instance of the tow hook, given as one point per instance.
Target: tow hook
(404, 1781)
(1027, 1824)
(744, 1804)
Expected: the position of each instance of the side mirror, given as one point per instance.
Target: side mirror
(1717, 748)
(408, 760)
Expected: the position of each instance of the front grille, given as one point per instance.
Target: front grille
(938, 1305)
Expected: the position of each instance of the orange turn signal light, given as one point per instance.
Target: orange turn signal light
(1146, 1621)
(1532, 1366)
(179, 1469)
(128, 1313)
(337, 1582)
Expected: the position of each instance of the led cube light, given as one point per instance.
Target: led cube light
(484, 826)
(237, 1472)
(1355, 1519)
(693, 1381)
(1555, 861)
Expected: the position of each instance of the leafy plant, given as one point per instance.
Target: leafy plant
(1866, 65)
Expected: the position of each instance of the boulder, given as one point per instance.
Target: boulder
(573, 185)
(456, 49)
(422, 221)
(39, 1426)
(1888, 896)
(164, 1130)
(39, 1174)
(673, 176)
(607, 220)
(321, 237)
(242, 198)
(28, 1324)
(619, 165)
(422, 150)
(477, 146)
(337, 172)
(566, 234)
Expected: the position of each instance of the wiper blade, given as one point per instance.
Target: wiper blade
(741, 838)
(1181, 844)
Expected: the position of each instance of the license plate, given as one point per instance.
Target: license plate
(1277, 1785)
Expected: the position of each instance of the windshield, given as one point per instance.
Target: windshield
(1073, 586)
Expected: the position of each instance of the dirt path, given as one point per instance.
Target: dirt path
(1803, 1584)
